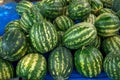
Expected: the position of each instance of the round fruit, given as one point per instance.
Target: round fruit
(112, 65)
(79, 35)
(6, 70)
(107, 24)
(32, 67)
(88, 61)
(60, 63)
(43, 36)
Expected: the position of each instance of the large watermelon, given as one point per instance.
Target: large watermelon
(13, 45)
(60, 63)
(107, 24)
(44, 36)
(111, 44)
(6, 70)
(79, 35)
(112, 65)
(23, 6)
(79, 10)
(32, 67)
(88, 61)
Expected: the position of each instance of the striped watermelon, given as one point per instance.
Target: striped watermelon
(13, 25)
(6, 70)
(23, 6)
(60, 63)
(52, 8)
(112, 65)
(33, 66)
(96, 43)
(13, 45)
(79, 10)
(79, 35)
(63, 22)
(30, 17)
(90, 19)
(44, 36)
(106, 10)
(107, 24)
(96, 5)
(88, 61)
(111, 44)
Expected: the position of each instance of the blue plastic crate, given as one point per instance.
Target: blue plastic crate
(8, 13)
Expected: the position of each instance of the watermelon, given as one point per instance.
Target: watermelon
(96, 43)
(106, 10)
(30, 17)
(33, 66)
(13, 45)
(112, 65)
(43, 36)
(52, 8)
(60, 63)
(88, 61)
(79, 10)
(111, 44)
(79, 35)
(23, 6)
(96, 5)
(6, 70)
(15, 24)
(63, 22)
(90, 19)
(107, 24)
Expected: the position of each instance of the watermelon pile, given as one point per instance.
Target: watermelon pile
(80, 34)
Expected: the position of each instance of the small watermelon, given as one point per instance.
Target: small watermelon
(88, 61)
(33, 66)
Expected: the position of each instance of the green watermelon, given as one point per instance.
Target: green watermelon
(43, 36)
(6, 70)
(60, 63)
(79, 10)
(63, 22)
(88, 61)
(15, 24)
(23, 6)
(111, 44)
(79, 35)
(96, 5)
(106, 10)
(30, 17)
(90, 19)
(107, 24)
(52, 8)
(33, 66)
(13, 45)
(112, 65)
